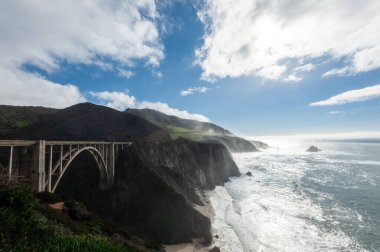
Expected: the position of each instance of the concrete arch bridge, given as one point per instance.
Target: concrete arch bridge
(42, 164)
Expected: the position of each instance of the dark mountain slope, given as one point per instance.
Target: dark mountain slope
(87, 121)
(15, 117)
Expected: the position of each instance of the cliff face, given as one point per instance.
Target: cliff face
(158, 181)
(156, 187)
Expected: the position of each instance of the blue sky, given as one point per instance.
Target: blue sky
(254, 67)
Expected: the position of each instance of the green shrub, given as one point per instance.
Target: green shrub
(73, 244)
(26, 225)
(47, 197)
(78, 211)
(19, 221)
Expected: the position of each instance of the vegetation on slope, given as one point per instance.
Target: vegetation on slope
(14, 117)
(84, 122)
(162, 120)
(194, 130)
(30, 224)
(176, 132)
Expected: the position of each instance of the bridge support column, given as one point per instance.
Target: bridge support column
(111, 163)
(10, 164)
(38, 166)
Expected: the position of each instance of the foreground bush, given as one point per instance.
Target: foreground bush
(23, 228)
(62, 243)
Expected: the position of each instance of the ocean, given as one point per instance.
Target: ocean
(299, 201)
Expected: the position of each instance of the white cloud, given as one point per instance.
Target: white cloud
(293, 78)
(252, 37)
(46, 33)
(157, 74)
(273, 72)
(125, 73)
(335, 112)
(122, 101)
(362, 61)
(116, 100)
(338, 72)
(21, 88)
(356, 95)
(193, 90)
(305, 68)
(164, 108)
(295, 75)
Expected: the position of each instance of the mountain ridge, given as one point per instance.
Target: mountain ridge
(195, 130)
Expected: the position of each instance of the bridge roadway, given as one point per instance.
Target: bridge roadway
(42, 164)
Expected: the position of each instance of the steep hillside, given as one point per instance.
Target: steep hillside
(43, 222)
(156, 188)
(194, 130)
(159, 184)
(86, 121)
(15, 117)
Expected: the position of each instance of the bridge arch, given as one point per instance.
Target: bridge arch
(64, 163)
(42, 164)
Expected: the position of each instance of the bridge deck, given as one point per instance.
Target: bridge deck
(16, 142)
(31, 142)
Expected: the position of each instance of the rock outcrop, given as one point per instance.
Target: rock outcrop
(313, 149)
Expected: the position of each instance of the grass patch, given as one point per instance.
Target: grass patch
(176, 132)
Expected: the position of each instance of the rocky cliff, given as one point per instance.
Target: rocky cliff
(156, 188)
(158, 181)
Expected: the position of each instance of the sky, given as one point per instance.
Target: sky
(255, 67)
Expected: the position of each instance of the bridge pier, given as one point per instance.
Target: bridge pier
(10, 164)
(37, 175)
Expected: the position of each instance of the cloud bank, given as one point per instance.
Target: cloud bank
(122, 101)
(274, 39)
(356, 95)
(48, 33)
(193, 90)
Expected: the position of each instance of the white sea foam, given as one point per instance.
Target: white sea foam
(277, 209)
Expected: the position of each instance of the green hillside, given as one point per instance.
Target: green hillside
(194, 130)
(176, 132)
(162, 120)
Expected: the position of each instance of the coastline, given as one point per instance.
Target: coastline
(196, 246)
